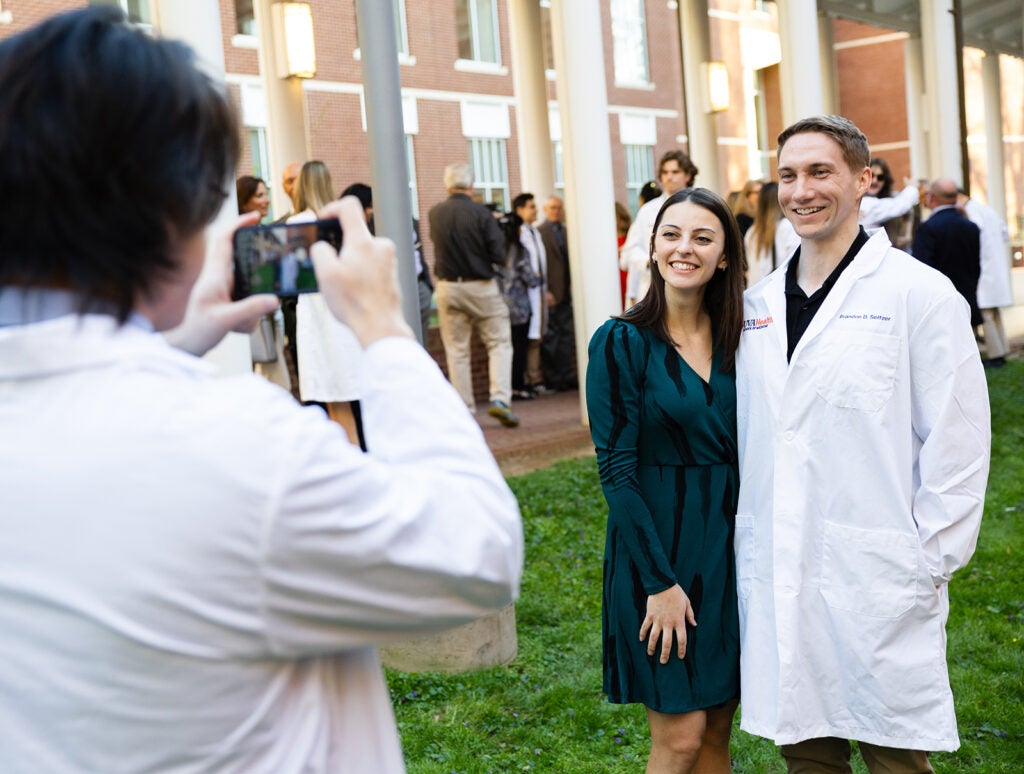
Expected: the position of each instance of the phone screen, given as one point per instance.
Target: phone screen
(275, 259)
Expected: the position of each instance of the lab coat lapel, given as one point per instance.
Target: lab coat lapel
(867, 260)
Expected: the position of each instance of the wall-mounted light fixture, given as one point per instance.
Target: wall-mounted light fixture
(716, 86)
(293, 39)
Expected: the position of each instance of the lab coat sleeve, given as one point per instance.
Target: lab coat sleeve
(875, 212)
(951, 422)
(420, 534)
(614, 380)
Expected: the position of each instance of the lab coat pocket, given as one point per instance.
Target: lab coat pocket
(871, 572)
(745, 549)
(859, 371)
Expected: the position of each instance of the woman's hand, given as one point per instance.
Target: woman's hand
(668, 613)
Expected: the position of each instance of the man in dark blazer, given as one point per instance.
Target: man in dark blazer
(559, 346)
(951, 243)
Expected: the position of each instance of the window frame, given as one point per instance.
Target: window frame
(489, 155)
(629, 41)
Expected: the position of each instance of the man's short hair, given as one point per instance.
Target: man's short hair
(851, 140)
(685, 163)
(458, 177)
(115, 147)
(521, 200)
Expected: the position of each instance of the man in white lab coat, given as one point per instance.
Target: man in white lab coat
(864, 449)
(195, 572)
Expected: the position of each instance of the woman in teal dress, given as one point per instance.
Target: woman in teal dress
(662, 402)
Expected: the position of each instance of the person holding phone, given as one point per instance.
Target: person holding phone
(195, 572)
(661, 395)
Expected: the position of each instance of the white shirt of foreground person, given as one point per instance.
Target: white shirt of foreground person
(869, 498)
(195, 571)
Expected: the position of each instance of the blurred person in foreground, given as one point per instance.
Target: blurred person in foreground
(864, 438)
(196, 571)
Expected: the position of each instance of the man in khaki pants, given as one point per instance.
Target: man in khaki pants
(469, 251)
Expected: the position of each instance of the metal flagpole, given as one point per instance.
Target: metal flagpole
(382, 96)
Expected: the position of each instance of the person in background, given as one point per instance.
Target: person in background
(880, 206)
(469, 255)
(519, 279)
(252, 196)
(558, 348)
(744, 207)
(198, 577)
(425, 288)
(289, 176)
(900, 228)
(675, 172)
(661, 398)
(770, 240)
(864, 453)
(623, 220)
(950, 243)
(541, 299)
(329, 356)
(995, 286)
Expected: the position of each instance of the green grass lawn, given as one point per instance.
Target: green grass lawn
(545, 712)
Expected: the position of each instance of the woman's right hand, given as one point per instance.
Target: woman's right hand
(668, 613)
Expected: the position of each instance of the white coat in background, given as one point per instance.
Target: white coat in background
(994, 285)
(635, 256)
(875, 212)
(863, 466)
(759, 264)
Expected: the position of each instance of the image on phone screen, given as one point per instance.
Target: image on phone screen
(275, 259)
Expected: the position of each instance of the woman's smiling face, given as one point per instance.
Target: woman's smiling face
(689, 246)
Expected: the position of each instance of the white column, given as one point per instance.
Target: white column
(994, 159)
(799, 70)
(701, 127)
(536, 160)
(938, 40)
(913, 56)
(589, 188)
(287, 135)
(197, 23)
(827, 60)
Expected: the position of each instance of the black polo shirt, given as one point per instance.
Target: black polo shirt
(800, 309)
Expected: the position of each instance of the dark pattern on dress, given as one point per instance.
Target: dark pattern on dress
(666, 453)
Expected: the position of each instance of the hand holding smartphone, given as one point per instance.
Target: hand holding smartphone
(275, 258)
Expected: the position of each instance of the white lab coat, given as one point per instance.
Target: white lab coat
(863, 466)
(635, 255)
(194, 571)
(759, 264)
(875, 212)
(995, 288)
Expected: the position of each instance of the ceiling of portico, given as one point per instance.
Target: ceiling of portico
(992, 25)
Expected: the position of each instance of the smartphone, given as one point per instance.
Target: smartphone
(275, 259)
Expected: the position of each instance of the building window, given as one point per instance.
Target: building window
(137, 10)
(245, 17)
(629, 36)
(639, 169)
(476, 24)
(410, 162)
(490, 170)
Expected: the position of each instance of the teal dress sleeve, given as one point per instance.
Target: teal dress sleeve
(615, 386)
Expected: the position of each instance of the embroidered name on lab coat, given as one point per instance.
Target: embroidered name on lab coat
(848, 316)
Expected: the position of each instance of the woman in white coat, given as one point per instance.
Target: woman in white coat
(328, 352)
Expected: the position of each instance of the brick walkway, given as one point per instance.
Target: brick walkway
(549, 430)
